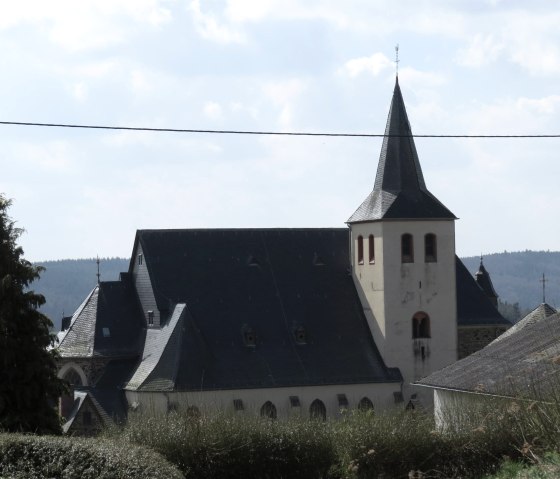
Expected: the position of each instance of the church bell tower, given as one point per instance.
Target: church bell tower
(403, 260)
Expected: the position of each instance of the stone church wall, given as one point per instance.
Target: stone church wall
(473, 339)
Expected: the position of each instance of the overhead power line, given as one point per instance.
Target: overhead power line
(249, 132)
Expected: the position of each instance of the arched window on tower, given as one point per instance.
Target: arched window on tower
(420, 326)
(430, 248)
(407, 248)
(360, 249)
(371, 246)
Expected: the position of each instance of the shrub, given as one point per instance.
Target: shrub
(228, 446)
(396, 444)
(27, 456)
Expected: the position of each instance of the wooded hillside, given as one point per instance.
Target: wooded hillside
(516, 277)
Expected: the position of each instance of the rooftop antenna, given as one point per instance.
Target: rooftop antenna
(543, 281)
(397, 59)
(98, 273)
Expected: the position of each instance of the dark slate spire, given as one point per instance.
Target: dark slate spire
(483, 280)
(399, 191)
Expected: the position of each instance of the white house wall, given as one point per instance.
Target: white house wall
(381, 395)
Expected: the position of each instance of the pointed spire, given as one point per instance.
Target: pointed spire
(399, 190)
(483, 280)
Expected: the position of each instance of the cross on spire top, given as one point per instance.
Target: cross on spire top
(543, 280)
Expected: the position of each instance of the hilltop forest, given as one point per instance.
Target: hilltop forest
(516, 277)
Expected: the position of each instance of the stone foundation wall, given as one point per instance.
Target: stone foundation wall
(473, 339)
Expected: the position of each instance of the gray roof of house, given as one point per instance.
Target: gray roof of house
(474, 308)
(109, 323)
(524, 363)
(272, 281)
(399, 191)
(542, 311)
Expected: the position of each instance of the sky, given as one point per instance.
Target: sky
(466, 67)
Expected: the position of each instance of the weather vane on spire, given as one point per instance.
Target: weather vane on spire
(397, 58)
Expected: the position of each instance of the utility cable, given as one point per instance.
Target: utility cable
(249, 132)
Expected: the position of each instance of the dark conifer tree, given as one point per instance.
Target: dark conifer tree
(29, 387)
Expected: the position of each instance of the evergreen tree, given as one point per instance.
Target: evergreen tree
(29, 387)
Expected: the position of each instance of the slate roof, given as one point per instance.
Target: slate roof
(399, 191)
(484, 281)
(524, 363)
(273, 281)
(108, 324)
(474, 308)
(542, 311)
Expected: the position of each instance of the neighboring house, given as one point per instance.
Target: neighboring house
(289, 321)
(522, 363)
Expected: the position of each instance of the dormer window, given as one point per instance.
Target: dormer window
(106, 333)
(299, 335)
(407, 248)
(430, 248)
(360, 250)
(150, 318)
(140, 259)
(253, 262)
(317, 260)
(371, 249)
(249, 337)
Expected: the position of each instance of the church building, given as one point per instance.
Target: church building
(282, 321)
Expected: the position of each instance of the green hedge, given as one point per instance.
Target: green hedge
(27, 456)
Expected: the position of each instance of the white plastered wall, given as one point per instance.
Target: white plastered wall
(392, 292)
(381, 395)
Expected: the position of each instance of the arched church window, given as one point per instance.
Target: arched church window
(371, 246)
(407, 248)
(365, 404)
(268, 410)
(360, 250)
(430, 248)
(420, 326)
(73, 378)
(317, 410)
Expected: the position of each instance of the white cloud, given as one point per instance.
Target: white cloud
(547, 105)
(213, 110)
(481, 50)
(80, 91)
(85, 24)
(54, 156)
(373, 64)
(208, 26)
(420, 79)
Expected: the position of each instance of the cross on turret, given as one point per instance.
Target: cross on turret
(543, 280)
